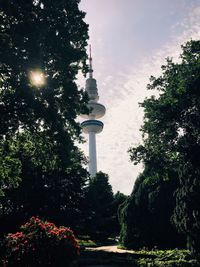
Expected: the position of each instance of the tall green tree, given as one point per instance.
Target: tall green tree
(37, 124)
(145, 216)
(119, 199)
(48, 188)
(98, 203)
(171, 136)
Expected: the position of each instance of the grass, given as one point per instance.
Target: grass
(165, 258)
(85, 241)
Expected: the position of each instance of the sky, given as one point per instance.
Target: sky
(130, 41)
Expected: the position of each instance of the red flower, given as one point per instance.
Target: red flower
(38, 239)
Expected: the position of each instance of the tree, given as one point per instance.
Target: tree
(48, 187)
(119, 199)
(38, 128)
(146, 215)
(171, 136)
(49, 38)
(10, 167)
(99, 198)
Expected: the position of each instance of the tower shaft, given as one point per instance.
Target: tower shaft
(92, 154)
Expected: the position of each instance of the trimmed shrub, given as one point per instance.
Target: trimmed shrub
(40, 243)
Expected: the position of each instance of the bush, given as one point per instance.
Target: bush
(40, 243)
(166, 258)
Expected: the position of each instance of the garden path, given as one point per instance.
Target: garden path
(107, 256)
(112, 248)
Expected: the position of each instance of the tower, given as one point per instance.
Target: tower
(91, 125)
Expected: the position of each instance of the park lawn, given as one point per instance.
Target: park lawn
(85, 241)
(165, 258)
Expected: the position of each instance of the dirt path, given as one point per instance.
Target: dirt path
(111, 256)
(110, 249)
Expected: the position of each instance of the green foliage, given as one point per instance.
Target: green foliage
(167, 258)
(49, 37)
(163, 258)
(170, 263)
(10, 166)
(169, 153)
(145, 216)
(38, 130)
(40, 243)
(50, 187)
(46, 36)
(119, 199)
(85, 241)
(179, 134)
(99, 198)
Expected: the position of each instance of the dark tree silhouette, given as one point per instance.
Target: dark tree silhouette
(98, 203)
(38, 127)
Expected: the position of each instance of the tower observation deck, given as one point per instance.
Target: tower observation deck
(91, 125)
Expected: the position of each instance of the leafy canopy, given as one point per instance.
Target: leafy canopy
(170, 146)
(47, 37)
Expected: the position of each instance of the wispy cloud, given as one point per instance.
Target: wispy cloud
(121, 92)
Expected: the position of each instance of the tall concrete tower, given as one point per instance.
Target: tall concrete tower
(91, 125)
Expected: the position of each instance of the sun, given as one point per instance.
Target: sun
(37, 78)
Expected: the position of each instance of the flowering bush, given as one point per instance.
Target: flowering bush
(41, 243)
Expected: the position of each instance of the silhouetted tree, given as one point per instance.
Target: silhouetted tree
(99, 198)
(119, 199)
(146, 215)
(38, 127)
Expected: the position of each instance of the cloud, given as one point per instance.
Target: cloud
(121, 92)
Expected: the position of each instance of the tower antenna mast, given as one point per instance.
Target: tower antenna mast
(90, 63)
